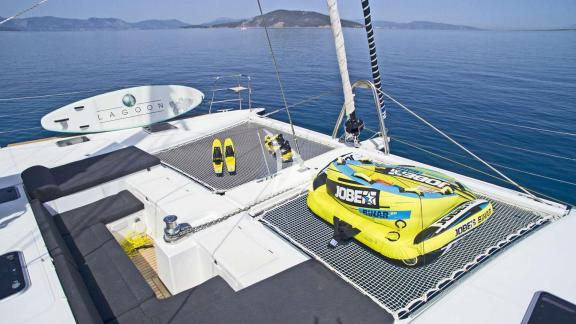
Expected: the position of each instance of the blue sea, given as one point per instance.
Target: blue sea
(470, 84)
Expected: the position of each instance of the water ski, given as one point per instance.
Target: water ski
(230, 155)
(217, 161)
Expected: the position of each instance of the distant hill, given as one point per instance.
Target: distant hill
(221, 20)
(421, 25)
(6, 27)
(286, 19)
(274, 19)
(159, 24)
(49, 23)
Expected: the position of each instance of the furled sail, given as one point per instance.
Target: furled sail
(341, 55)
(353, 125)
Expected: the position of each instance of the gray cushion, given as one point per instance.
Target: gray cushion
(40, 184)
(81, 304)
(134, 316)
(88, 241)
(306, 293)
(114, 283)
(210, 293)
(47, 184)
(52, 238)
(105, 210)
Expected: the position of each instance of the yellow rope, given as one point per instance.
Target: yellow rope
(134, 241)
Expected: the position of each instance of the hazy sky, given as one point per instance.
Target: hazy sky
(481, 13)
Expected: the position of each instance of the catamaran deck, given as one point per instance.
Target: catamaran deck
(268, 208)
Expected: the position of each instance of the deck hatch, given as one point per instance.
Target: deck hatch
(400, 290)
(548, 308)
(13, 276)
(72, 141)
(8, 194)
(159, 127)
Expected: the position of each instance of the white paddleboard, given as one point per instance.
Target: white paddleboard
(121, 109)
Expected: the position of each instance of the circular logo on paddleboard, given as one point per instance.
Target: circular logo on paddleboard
(129, 100)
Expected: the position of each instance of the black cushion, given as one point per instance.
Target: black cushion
(52, 238)
(105, 210)
(134, 316)
(210, 293)
(88, 241)
(306, 293)
(40, 184)
(114, 283)
(98, 278)
(47, 184)
(81, 303)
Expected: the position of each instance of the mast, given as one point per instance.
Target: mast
(353, 125)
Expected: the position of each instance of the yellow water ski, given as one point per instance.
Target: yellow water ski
(230, 155)
(217, 161)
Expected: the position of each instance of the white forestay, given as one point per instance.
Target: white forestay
(448, 137)
(22, 12)
(297, 156)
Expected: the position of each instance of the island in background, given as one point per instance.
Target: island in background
(274, 19)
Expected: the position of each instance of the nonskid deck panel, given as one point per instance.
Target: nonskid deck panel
(252, 160)
(400, 290)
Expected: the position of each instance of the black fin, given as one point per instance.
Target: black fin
(343, 232)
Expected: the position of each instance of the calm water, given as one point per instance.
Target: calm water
(526, 78)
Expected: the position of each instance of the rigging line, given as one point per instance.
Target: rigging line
(55, 94)
(280, 82)
(469, 167)
(22, 12)
(438, 155)
(501, 123)
(483, 172)
(523, 149)
(456, 143)
(516, 125)
(502, 166)
(18, 130)
(13, 115)
(309, 99)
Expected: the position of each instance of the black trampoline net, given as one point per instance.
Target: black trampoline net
(252, 159)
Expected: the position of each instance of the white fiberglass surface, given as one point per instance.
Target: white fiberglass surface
(43, 299)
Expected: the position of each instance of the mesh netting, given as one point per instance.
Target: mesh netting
(252, 160)
(400, 290)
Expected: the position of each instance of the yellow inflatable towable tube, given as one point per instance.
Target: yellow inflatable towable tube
(406, 213)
